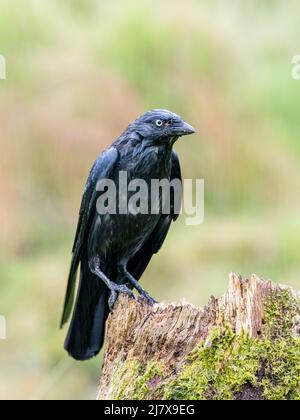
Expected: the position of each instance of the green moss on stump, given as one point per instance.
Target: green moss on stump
(135, 381)
(281, 309)
(217, 370)
(232, 363)
(227, 366)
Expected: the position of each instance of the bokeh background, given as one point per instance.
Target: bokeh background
(77, 72)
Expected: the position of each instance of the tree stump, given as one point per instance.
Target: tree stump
(244, 346)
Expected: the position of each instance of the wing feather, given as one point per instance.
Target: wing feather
(101, 169)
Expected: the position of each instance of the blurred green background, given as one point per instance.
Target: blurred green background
(77, 72)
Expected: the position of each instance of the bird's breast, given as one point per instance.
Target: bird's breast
(151, 163)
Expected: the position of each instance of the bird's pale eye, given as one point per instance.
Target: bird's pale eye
(158, 123)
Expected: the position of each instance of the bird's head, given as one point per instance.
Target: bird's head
(160, 126)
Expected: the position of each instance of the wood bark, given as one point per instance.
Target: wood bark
(151, 350)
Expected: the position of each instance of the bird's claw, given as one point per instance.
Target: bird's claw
(125, 289)
(150, 300)
(114, 294)
(112, 299)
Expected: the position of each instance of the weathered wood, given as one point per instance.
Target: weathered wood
(233, 348)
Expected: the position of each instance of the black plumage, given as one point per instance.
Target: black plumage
(113, 250)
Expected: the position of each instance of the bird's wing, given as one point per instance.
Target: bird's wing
(101, 169)
(138, 264)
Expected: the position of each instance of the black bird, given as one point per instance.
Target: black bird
(113, 250)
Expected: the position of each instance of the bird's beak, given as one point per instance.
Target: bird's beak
(183, 129)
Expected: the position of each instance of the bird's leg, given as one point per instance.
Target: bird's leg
(137, 285)
(114, 288)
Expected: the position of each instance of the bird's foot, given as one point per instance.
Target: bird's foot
(115, 292)
(150, 300)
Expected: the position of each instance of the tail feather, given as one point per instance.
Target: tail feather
(87, 329)
(69, 299)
